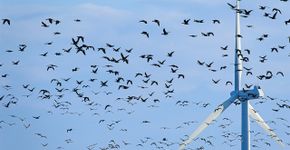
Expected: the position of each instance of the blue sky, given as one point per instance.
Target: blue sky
(117, 23)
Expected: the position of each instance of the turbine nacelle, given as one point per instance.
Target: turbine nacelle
(254, 93)
(245, 95)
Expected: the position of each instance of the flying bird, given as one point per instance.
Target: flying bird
(44, 25)
(164, 32)
(216, 21)
(143, 21)
(6, 21)
(186, 21)
(145, 33)
(156, 21)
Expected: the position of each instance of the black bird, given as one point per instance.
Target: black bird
(57, 22)
(207, 34)
(170, 54)
(51, 66)
(281, 73)
(4, 75)
(48, 43)
(215, 81)
(216, 21)
(281, 47)
(248, 86)
(75, 69)
(247, 12)
(25, 86)
(102, 49)
(164, 32)
(124, 58)
(143, 21)
(186, 21)
(161, 62)
(109, 45)
(224, 48)
(239, 36)
(56, 33)
(198, 21)
(67, 50)
(44, 54)
(274, 49)
(118, 80)
(229, 82)
(192, 35)
(36, 117)
(147, 75)
(223, 67)
(145, 33)
(210, 64)
(68, 130)
(154, 82)
(40, 135)
(95, 70)
(15, 62)
(107, 106)
(104, 83)
(129, 50)
(138, 74)
(6, 21)
(262, 7)
(123, 87)
(173, 70)
(50, 20)
(44, 25)
(200, 63)
(77, 20)
(156, 21)
(129, 82)
(180, 76)
(248, 51)
(263, 58)
(156, 65)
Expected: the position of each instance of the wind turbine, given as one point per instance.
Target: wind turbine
(242, 95)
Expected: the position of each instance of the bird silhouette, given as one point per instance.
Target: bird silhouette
(6, 21)
(215, 81)
(44, 25)
(145, 33)
(186, 21)
(143, 21)
(164, 32)
(216, 21)
(156, 21)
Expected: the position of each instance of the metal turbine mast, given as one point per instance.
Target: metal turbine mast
(242, 95)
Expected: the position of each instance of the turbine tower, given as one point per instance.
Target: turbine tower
(241, 95)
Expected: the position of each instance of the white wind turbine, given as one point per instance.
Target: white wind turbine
(243, 96)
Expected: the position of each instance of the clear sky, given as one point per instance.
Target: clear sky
(158, 108)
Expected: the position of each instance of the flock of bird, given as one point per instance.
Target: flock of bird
(105, 80)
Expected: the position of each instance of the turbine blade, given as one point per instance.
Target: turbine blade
(255, 115)
(217, 112)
